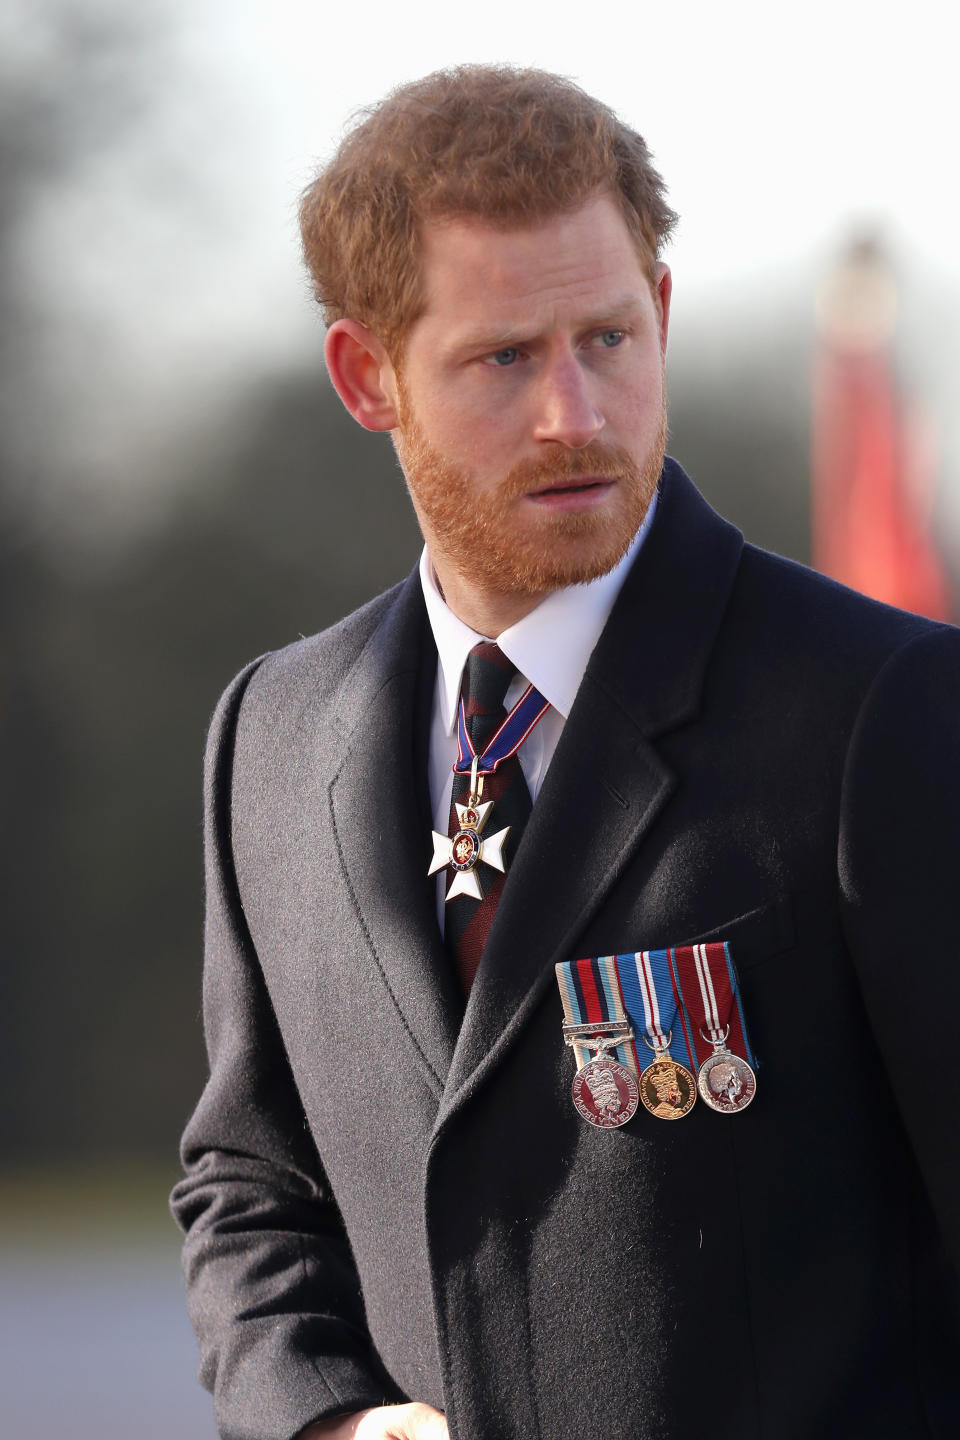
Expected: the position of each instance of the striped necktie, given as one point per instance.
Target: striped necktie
(486, 678)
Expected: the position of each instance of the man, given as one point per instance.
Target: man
(398, 1225)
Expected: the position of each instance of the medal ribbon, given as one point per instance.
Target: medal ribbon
(590, 992)
(707, 984)
(529, 709)
(653, 1003)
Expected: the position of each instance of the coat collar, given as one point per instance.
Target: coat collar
(652, 658)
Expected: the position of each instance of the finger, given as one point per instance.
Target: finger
(429, 1424)
(403, 1422)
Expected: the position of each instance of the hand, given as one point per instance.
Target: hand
(388, 1422)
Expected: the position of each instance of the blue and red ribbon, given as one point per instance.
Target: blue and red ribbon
(653, 1004)
(528, 711)
(590, 992)
(636, 989)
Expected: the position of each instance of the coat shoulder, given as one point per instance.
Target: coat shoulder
(815, 615)
(308, 671)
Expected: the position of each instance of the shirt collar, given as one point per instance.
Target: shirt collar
(550, 646)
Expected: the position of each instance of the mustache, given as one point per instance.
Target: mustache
(595, 461)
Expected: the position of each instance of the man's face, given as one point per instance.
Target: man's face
(531, 400)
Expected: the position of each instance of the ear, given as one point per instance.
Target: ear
(663, 289)
(362, 374)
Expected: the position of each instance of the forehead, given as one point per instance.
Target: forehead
(568, 263)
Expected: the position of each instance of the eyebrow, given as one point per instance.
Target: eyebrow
(623, 307)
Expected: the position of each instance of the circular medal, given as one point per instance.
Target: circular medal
(465, 849)
(726, 1082)
(667, 1089)
(605, 1092)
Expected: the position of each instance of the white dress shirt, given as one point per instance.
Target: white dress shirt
(550, 648)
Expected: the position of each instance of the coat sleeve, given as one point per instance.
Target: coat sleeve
(272, 1288)
(899, 862)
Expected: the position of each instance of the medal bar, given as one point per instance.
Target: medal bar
(602, 1027)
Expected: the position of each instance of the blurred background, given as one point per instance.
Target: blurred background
(179, 491)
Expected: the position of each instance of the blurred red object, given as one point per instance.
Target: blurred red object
(874, 469)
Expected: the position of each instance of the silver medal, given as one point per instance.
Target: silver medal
(725, 1081)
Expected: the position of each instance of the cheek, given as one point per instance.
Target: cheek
(641, 402)
(480, 439)
(457, 426)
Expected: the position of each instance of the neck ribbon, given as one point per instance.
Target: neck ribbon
(528, 711)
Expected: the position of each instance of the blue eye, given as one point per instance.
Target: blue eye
(610, 338)
(506, 356)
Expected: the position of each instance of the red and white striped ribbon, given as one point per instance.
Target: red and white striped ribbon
(715, 1029)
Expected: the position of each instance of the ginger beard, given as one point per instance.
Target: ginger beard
(484, 538)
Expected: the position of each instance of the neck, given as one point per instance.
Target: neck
(487, 613)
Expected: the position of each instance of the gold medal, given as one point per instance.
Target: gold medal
(667, 1088)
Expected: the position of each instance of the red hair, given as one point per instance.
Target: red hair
(510, 145)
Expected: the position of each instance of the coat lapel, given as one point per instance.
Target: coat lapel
(607, 784)
(379, 810)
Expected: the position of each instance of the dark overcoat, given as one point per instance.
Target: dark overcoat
(387, 1196)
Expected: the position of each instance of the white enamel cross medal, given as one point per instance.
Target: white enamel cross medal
(464, 851)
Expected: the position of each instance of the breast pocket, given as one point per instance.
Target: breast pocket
(756, 936)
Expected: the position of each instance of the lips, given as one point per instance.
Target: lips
(574, 492)
(574, 482)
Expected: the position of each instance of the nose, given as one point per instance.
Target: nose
(566, 410)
